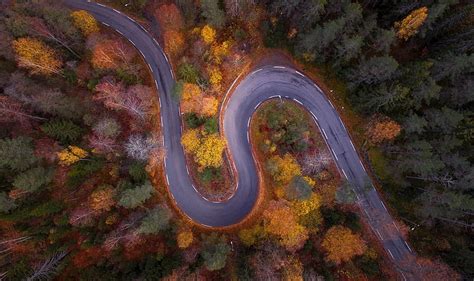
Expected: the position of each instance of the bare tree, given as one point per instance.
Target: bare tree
(10, 110)
(48, 267)
(38, 27)
(139, 147)
(313, 164)
(102, 144)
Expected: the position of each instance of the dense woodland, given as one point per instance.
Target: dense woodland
(82, 193)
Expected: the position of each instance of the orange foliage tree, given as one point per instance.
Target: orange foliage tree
(85, 22)
(410, 25)
(37, 56)
(342, 245)
(111, 54)
(209, 153)
(185, 239)
(381, 129)
(102, 199)
(174, 42)
(280, 221)
(169, 17)
(193, 100)
(208, 34)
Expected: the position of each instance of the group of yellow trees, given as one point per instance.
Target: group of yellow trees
(39, 58)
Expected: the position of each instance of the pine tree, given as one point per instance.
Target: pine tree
(64, 131)
(212, 13)
(17, 154)
(32, 179)
(134, 197)
(158, 219)
(6, 204)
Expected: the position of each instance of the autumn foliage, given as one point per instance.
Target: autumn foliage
(283, 169)
(111, 54)
(37, 56)
(342, 245)
(169, 17)
(382, 129)
(193, 100)
(102, 199)
(184, 239)
(71, 155)
(280, 221)
(208, 34)
(85, 22)
(410, 25)
(207, 150)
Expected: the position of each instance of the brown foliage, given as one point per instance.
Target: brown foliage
(174, 42)
(169, 17)
(381, 129)
(436, 270)
(87, 257)
(111, 54)
(102, 199)
(342, 245)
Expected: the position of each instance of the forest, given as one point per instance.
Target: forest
(82, 187)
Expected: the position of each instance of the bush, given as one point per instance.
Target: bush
(193, 121)
(211, 125)
(210, 174)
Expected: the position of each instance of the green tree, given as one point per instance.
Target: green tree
(134, 197)
(298, 189)
(213, 14)
(345, 194)
(6, 204)
(17, 153)
(32, 179)
(373, 70)
(157, 219)
(64, 131)
(215, 251)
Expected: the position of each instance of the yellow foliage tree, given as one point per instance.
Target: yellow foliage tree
(71, 155)
(208, 34)
(219, 51)
(102, 199)
(410, 25)
(85, 22)
(185, 239)
(215, 76)
(293, 270)
(283, 169)
(250, 236)
(342, 245)
(209, 153)
(37, 56)
(209, 106)
(191, 140)
(280, 221)
(304, 207)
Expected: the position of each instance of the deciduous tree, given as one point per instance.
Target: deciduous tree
(112, 54)
(174, 43)
(410, 25)
(342, 245)
(102, 199)
(85, 22)
(71, 155)
(184, 239)
(191, 140)
(37, 56)
(169, 17)
(139, 147)
(209, 153)
(382, 129)
(283, 169)
(288, 231)
(208, 34)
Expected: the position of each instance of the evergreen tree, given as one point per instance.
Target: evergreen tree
(32, 179)
(215, 251)
(6, 204)
(134, 197)
(158, 219)
(213, 13)
(17, 153)
(64, 131)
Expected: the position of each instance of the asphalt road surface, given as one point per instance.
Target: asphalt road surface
(267, 82)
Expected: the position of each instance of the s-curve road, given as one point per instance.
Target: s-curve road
(262, 84)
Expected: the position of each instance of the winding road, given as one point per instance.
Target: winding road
(271, 81)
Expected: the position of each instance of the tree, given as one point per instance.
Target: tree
(306, 206)
(373, 70)
(174, 43)
(71, 155)
(6, 204)
(62, 130)
(342, 245)
(215, 251)
(157, 219)
(37, 56)
(55, 102)
(209, 153)
(208, 34)
(112, 54)
(102, 199)
(184, 239)
(32, 179)
(48, 268)
(11, 110)
(17, 153)
(139, 147)
(191, 140)
(382, 129)
(191, 98)
(134, 197)
(298, 189)
(215, 77)
(107, 127)
(212, 13)
(250, 236)
(315, 163)
(135, 100)
(283, 170)
(410, 25)
(288, 231)
(169, 17)
(345, 194)
(209, 107)
(85, 22)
